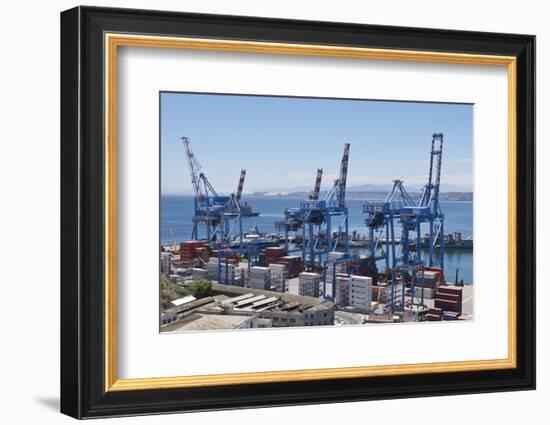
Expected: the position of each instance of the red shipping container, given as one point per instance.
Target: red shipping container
(448, 305)
(448, 297)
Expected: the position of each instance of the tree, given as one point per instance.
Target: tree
(201, 288)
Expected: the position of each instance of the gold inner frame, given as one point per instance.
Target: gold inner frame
(113, 41)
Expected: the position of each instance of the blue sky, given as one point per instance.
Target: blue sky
(282, 141)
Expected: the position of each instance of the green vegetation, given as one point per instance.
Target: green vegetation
(170, 291)
(201, 288)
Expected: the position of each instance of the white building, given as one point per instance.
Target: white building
(342, 291)
(278, 277)
(308, 284)
(360, 293)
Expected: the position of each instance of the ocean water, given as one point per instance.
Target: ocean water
(176, 212)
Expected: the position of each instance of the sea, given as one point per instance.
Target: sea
(177, 211)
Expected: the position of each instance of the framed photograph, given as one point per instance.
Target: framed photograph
(261, 212)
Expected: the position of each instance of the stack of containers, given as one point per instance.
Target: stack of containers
(294, 265)
(434, 314)
(377, 291)
(198, 274)
(226, 258)
(449, 298)
(260, 278)
(203, 253)
(239, 276)
(340, 268)
(273, 254)
(367, 267)
(261, 259)
(450, 315)
(232, 258)
(341, 295)
(430, 284)
(188, 250)
(438, 273)
(227, 275)
(278, 277)
(212, 268)
(361, 293)
(329, 275)
(309, 284)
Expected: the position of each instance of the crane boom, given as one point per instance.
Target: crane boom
(317, 188)
(240, 186)
(439, 152)
(343, 177)
(430, 195)
(194, 166)
(173, 238)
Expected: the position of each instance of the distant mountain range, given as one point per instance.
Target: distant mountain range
(365, 188)
(364, 192)
(355, 193)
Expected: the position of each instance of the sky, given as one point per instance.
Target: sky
(281, 141)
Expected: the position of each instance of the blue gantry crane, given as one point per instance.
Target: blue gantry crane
(220, 215)
(399, 206)
(314, 218)
(430, 199)
(381, 217)
(380, 220)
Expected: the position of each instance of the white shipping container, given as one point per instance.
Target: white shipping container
(428, 276)
(428, 292)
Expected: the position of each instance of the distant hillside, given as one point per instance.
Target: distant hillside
(369, 195)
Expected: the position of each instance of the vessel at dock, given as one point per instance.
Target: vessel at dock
(247, 211)
(452, 241)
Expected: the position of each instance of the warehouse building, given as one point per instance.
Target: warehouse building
(257, 308)
(360, 293)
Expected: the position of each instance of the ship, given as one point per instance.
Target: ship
(247, 211)
(454, 240)
(254, 238)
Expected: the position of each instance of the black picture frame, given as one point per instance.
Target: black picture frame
(83, 392)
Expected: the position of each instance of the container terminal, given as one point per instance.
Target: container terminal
(223, 277)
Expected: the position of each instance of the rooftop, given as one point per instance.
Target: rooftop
(211, 322)
(182, 300)
(254, 299)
